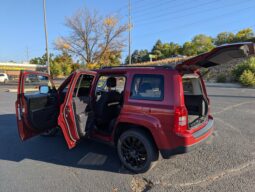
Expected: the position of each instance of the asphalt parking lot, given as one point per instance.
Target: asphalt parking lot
(226, 162)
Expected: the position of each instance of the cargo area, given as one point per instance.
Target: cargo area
(195, 100)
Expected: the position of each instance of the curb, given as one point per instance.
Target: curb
(225, 85)
(11, 90)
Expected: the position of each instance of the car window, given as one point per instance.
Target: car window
(83, 86)
(187, 86)
(1, 75)
(147, 87)
(120, 83)
(34, 81)
(192, 86)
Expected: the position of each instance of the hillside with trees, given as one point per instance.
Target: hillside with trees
(199, 44)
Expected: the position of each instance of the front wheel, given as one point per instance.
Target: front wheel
(137, 150)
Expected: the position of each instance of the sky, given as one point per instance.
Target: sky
(22, 34)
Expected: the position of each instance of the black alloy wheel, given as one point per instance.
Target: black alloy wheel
(136, 151)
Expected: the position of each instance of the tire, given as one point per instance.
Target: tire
(50, 133)
(137, 151)
(5, 81)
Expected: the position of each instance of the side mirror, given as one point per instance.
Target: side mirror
(44, 89)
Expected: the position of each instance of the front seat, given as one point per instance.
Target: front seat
(108, 106)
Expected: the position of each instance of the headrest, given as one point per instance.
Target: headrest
(144, 87)
(111, 82)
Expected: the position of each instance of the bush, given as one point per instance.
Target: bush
(247, 78)
(221, 78)
(248, 64)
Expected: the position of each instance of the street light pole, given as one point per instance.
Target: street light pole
(46, 36)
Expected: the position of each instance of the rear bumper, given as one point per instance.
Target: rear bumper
(194, 140)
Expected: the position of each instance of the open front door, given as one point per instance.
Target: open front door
(75, 110)
(218, 56)
(37, 105)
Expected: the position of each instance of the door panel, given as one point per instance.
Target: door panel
(43, 111)
(36, 112)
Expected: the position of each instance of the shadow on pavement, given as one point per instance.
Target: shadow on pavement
(88, 154)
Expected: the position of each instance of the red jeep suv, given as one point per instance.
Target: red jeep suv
(142, 110)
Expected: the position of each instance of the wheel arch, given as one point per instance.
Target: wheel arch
(124, 126)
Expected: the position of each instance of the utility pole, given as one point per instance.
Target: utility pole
(46, 36)
(129, 31)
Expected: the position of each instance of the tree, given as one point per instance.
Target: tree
(157, 49)
(61, 64)
(41, 60)
(143, 55)
(92, 36)
(110, 58)
(202, 43)
(165, 50)
(65, 61)
(55, 69)
(171, 49)
(244, 35)
(138, 56)
(224, 37)
(189, 49)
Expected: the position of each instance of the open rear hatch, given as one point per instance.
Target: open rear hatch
(218, 56)
(195, 97)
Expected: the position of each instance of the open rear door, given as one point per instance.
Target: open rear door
(75, 110)
(218, 56)
(36, 106)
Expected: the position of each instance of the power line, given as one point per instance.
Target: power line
(179, 11)
(152, 5)
(193, 23)
(158, 8)
(124, 7)
(192, 13)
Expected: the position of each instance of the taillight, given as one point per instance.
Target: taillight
(180, 119)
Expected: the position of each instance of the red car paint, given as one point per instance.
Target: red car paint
(160, 118)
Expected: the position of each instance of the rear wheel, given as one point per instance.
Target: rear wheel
(137, 151)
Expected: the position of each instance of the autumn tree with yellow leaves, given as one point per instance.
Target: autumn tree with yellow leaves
(95, 39)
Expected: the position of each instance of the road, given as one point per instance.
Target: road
(225, 163)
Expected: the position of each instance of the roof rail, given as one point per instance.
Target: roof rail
(138, 66)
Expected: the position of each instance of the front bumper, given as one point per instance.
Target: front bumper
(197, 138)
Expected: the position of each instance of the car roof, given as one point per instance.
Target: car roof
(128, 68)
